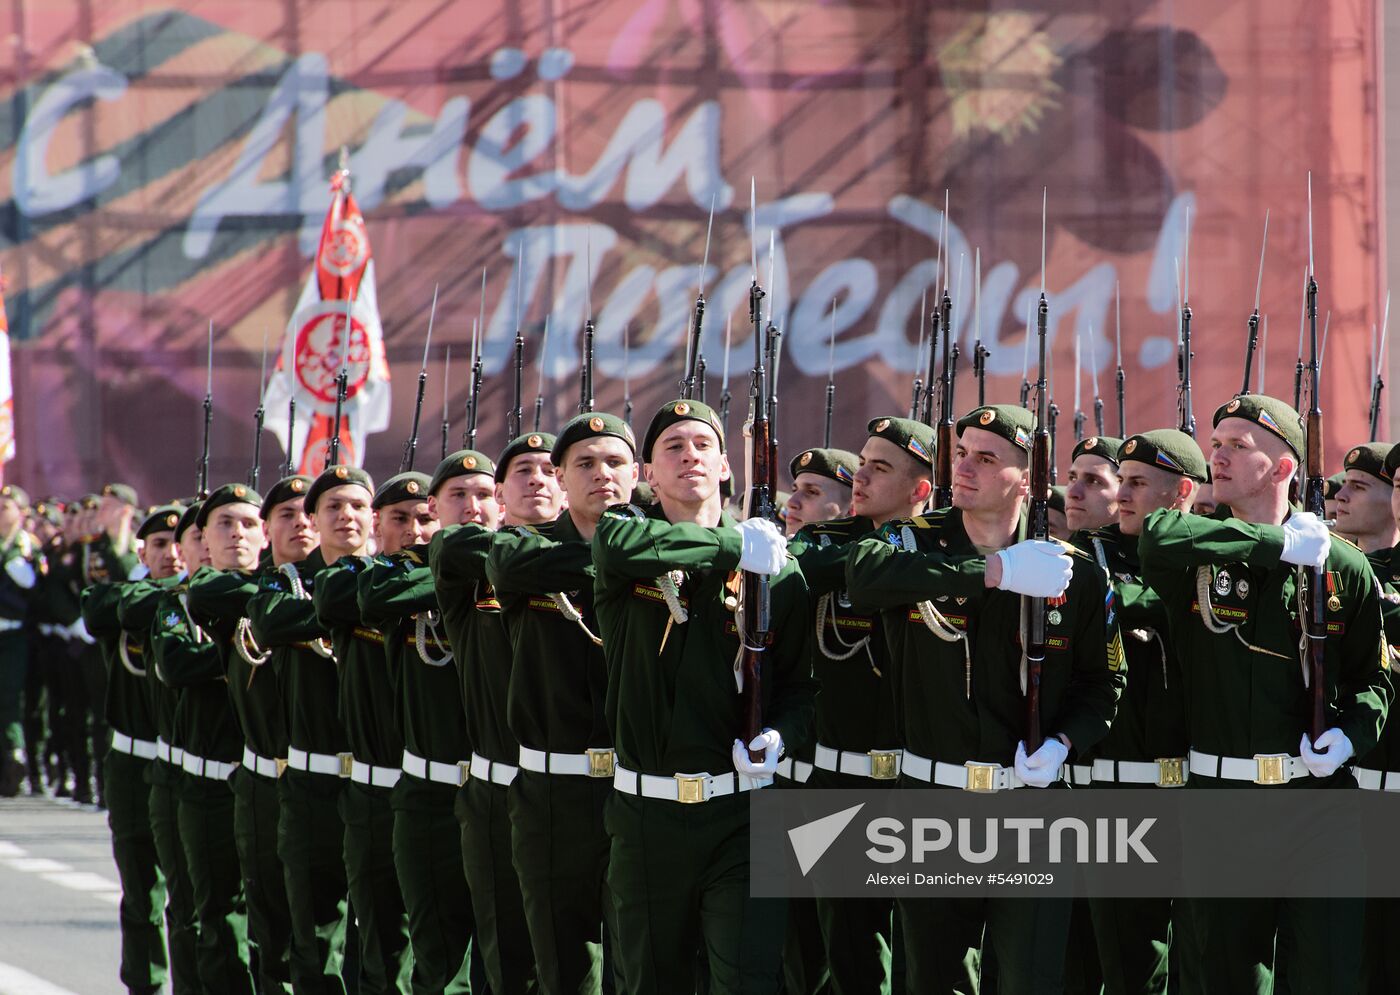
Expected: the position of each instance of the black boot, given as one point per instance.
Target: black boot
(12, 769)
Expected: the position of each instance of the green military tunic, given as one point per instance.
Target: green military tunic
(310, 830)
(368, 697)
(218, 599)
(393, 594)
(99, 560)
(16, 555)
(472, 618)
(555, 702)
(190, 659)
(960, 701)
(1245, 697)
(673, 708)
(144, 957)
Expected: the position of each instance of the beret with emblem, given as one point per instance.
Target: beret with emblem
(336, 476)
(51, 510)
(187, 518)
(1268, 412)
(287, 489)
(834, 464)
(914, 437)
(1332, 485)
(531, 442)
(89, 502)
(459, 464)
(1097, 445)
(162, 519)
(674, 412)
(1010, 421)
(17, 493)
(1370, 457)
(1392, 460)
(410, 486)
(1167, 449)
(226, 495)
(1057, 498)
(124, 493)
(591, 425)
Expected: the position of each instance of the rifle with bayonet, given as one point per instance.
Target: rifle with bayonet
(1377, 383)
(342, 381)
(724, 396)
(585, 372)
(945, 429)
(627, 375)
(1186, 415)
(1079, 417)
(1026, 363)
(697, 325)
(473, 388)
(202, 474)
(1253, 342)
(410, 449)
(830, 378)
(1314, 500)
(979, 351)
(539, 383)
(700, 379)
(1042, 461)
(446, 414)
(1094, 377)
(917, 400)
(255, 472)
(1119, 377)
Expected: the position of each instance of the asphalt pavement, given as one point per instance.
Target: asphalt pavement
(58, 900)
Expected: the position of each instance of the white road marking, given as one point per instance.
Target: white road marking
(38, 865)
(82, 881)
(8, 850)
(14, 981)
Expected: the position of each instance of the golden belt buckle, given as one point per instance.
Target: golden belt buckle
(1171, 772)
(884, 765)
(981, 777)
(1269, 768)
(281, 765)
(347, 763)
(464, 772)
(600, 763)
(690, 788)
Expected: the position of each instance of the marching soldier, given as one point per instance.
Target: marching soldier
(856, 742)
(189, 659)
(16, 592)
(543, 579)
(43, 696)
(819, 493)
(1363, 512)
(1231, 596)
(944, 582)
(666, 593)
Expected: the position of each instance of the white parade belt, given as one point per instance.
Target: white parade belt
(436, 771)
(492, 770)
(1165, 772)
(216, 770)
(331, 764)
(794, 770)
(375, 777)
(590, 763)
(687, 789)
(266, 766)
(1377, 780)
(1262, 768)
(878, 765)
(970, 776)
(141, 748)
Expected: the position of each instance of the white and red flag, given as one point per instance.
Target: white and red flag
(311, 352)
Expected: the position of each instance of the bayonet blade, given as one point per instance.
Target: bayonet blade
(1264, 245)
(432, 314)
(705, 264)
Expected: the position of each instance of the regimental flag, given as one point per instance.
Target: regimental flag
(311, 352)
(7, 396)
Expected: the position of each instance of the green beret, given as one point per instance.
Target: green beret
(89, 501)
(591, 425)
(1097, 445)
(1332, 485)
(1370, 457)
(642, 495)
(914, 437)
(50, 510)
(186, 520)
(123, 493)
(1268, 412)
(18, 493)
(1057, 498)
(673, 412)
(459, 464)
(410, 486)
(1010, 421)
(336, 476)
(1392, 460)
(163, 519)
(1166, 449)
(286, 489)
(532, 442)
(834, 464)
(227, 494)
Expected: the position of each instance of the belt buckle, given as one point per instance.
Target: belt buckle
(464, 772)
(1171, 772)
(690, 789)
(347, 763)
(981, 777)
(281, 765)
(884, 765)
(600, 763)
(1269, 768)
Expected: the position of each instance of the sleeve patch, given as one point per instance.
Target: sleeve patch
(1115, 652)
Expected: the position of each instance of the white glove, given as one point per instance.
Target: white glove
(1042, 768)
(764, 550)
(78, 630)
(1036, 568)
(21, 571)
(1306, 541)
(771, 743)
(1333, 750)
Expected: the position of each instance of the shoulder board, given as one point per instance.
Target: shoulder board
(837, 527)
(1072, 549)
(1338, 537)
(410, 556)
(625, 511)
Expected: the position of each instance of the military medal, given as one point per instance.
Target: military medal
(1242, 588)
(1054, 618)
(1222, 583)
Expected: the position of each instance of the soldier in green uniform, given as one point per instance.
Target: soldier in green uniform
(396, 597)
(58, 614)
(311, 829)
(822, 492)
(543, 579)
(190, 659)
(945, 583)
(144, 960)
(368, 695)
(16, 592)
(42, 702)
(471, 496)
(1231, 595)
(1363, 513)
(1091, 497)
(233, 526)
(1147, 744)
(856, 745)
(136, 612)
(666, 593)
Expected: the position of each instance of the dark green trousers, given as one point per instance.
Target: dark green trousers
(679, 876)
(94, 676)
(181, 930)
(386, 962)
(497, 905)
(144, 959)
(14, 666)
(560, 851)
(1237, 940)
(310, 840)
(944, 939)
(255, 813)
(1133, 936)
(1380, 964)
(428, 859)
(206, 831)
